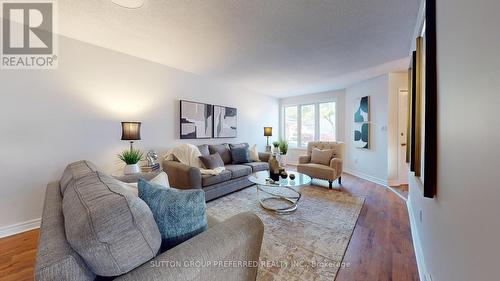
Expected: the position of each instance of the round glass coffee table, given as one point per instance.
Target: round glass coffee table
(280, 196)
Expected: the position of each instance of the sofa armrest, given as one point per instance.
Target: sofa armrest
(182, 176)
(304, 159)
(336, 163)
(264, 156)
(227, 251)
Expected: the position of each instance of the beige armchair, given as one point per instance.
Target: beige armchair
(321, 171)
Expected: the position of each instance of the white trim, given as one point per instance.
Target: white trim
(397, 193)
(366, 177)
(417, 246)
(19, 227)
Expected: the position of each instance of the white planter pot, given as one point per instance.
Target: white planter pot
(131, 169)
(283, 159)
(276, 149)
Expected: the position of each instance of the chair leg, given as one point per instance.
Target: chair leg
(340, 180)
(330, 184)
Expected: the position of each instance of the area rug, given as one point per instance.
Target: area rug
(308, 244)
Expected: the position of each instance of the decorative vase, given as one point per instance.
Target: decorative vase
(131, 169)
(274, 168)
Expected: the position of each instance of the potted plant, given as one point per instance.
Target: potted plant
(283, 147)
(131, 158)
(276, 145)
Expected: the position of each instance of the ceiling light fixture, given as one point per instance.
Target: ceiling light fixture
(129, 4)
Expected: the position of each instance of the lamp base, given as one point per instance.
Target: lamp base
(268, 148)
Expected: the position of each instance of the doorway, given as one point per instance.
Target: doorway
(402, 136)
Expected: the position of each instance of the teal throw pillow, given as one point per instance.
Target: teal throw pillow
(179, 214)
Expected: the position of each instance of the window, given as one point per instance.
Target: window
(307, 126)
(309, 122)
(291, 128)
(327, 121)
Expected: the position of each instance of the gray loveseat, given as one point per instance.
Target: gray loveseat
(91, 224)
(234, 178)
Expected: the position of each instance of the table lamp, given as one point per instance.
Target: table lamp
(268, 132)
(131, 131)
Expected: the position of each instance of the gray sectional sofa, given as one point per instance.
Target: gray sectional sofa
(93, 226)
(234, 178)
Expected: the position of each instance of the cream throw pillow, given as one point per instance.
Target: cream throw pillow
(323, 157)
(160, 179)
(254, 154)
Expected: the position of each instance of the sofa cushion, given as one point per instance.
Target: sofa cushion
(207, 180)
(258, 166)
(212, 161)
(238, 171)
(321, 156)
(179, 214)
(223, 150)
(110, 228)
(74, 171)
(204, 149)
(160, 179)
(317, 171)
(240, 155)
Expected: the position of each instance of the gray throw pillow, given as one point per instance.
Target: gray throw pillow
(223, 150)
(204, 149)
(212, 161)
(240, 155)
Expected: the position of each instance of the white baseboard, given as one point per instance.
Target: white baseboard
(417, 246)
(366, 177)
(19, 227)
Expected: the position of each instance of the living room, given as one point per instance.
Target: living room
(298, 140)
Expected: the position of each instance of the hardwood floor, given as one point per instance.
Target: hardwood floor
(381, 247)
(17, 256)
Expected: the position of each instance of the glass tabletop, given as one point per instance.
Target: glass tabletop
(260, 179)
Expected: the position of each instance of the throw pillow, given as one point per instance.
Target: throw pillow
(160, 179)
(254, 155)
(321, 156)
(240, 155)
(238, 145)
(204, 149)
(212, 161)
(179, 214)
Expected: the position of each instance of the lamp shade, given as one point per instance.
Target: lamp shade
(268, 131)
(131, 131)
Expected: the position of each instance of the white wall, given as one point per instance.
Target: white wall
(51, 118)
(370, 163)
(459, 230)
(338, 96)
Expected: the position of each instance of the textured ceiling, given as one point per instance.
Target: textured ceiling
(276, 47)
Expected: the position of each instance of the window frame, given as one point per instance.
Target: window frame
(316, 120)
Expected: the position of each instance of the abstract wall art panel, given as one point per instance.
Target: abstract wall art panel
(362, 110)
(361, 132)
(196, 120)
(362, 135)
(225, 122)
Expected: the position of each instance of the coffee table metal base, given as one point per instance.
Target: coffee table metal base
(287, 198)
